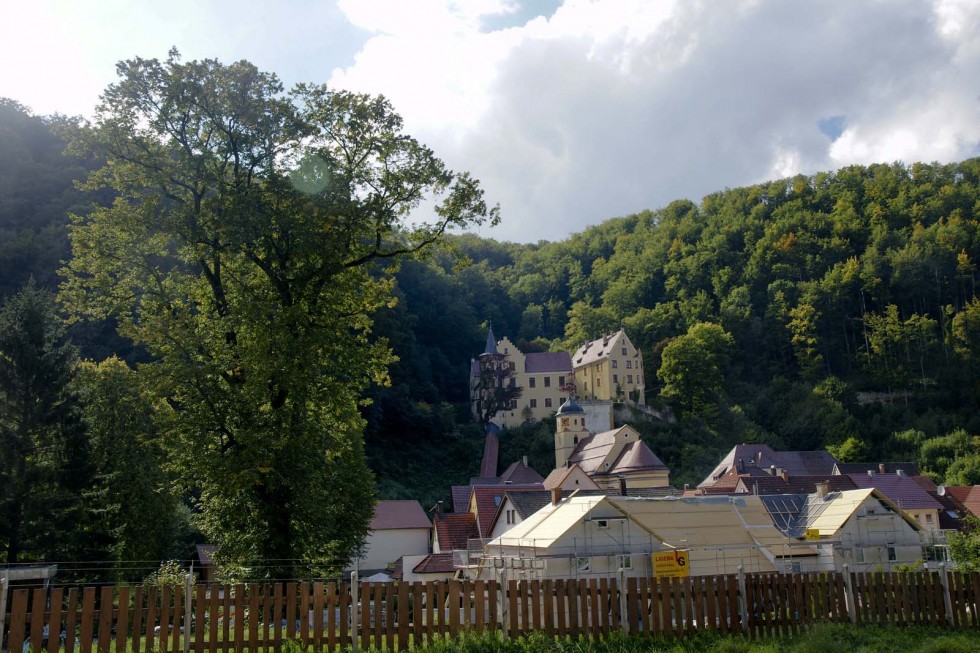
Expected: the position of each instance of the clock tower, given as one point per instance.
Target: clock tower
(569, 431)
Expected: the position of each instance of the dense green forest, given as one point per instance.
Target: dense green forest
(836, 311)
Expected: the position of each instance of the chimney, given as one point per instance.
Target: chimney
(758, 458)
(524, 460)
(900, 473)
(555, 496)
(439, 507)
(871, 473)
(622, 486)
(741, 466)
(784, 475)
(881, 468)
(772, 470)
(822, 488)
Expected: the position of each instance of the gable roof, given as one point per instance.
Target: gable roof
(518, 472)
(769, 484)
(547, 361)
(597, 349)
(828, 515)
(454, 530)
(591, 452)
(909, 469)
(968, 495)
(558, 476)
(902, 490)
(461, 497)
(544, 527)
(395, 515)
(487, 499)
(762, 456)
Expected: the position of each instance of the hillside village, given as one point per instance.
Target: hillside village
(608, 509)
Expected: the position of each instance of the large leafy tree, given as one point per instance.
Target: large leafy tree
(239, 252)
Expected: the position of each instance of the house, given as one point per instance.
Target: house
(398, 528)
(453, 531)
(429, 567)
(755, 459)
(909, 469)
(543, 378)
(605, 536)
(905, 493)
(569, 477)
(613, 459)
(968, 495)
(860, 528)
(610, 369)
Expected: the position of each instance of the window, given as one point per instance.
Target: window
(534, 403)
(625, 562)
(598, 382)
(615, 378)
(561, 380)
(892, 554)
(513, 383)
(859, 555)
(513, 367)
(629, 365)
(797, 568)
(624, 351)
(629, 378)
(511, 514)
(928, 518)
(547, 402)
(547, 381)
(531, 382)
(582, 564)
(601, 523)
(615, 363)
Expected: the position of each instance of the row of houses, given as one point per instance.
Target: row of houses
(608, 509)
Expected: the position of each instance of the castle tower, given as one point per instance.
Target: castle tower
(570, 429)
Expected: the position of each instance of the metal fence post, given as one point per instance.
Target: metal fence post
(947, 599)
(743, 600)
(355, 616)
(849, 599)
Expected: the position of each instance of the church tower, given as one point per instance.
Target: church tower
(570, 430)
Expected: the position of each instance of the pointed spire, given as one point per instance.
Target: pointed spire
(491, 342)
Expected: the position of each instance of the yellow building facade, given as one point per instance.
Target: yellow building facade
(610, 369)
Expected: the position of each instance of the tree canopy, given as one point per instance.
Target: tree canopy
(239, 251)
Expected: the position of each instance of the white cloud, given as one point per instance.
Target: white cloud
(611, 106)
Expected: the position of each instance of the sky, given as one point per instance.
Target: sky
(570, 112)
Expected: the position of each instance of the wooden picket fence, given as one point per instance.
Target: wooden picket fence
(397, 616)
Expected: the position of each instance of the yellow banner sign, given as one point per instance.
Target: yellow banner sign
(671, 564)
(813, 534)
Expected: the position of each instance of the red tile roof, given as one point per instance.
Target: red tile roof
(591, 452)
(393, 515)
(762, 456)
(453, 530)
(488, 499)
(968, 495)
(902, 490)
(435, 563)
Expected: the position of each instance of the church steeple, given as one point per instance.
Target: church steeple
(491, 348)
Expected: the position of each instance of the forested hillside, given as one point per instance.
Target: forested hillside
(837, 311)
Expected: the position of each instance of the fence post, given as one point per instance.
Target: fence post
(188, 596)
(743, 600)
(3, 602)
(624, 622)
(947, 599)
(849, 596)
(355, 617)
